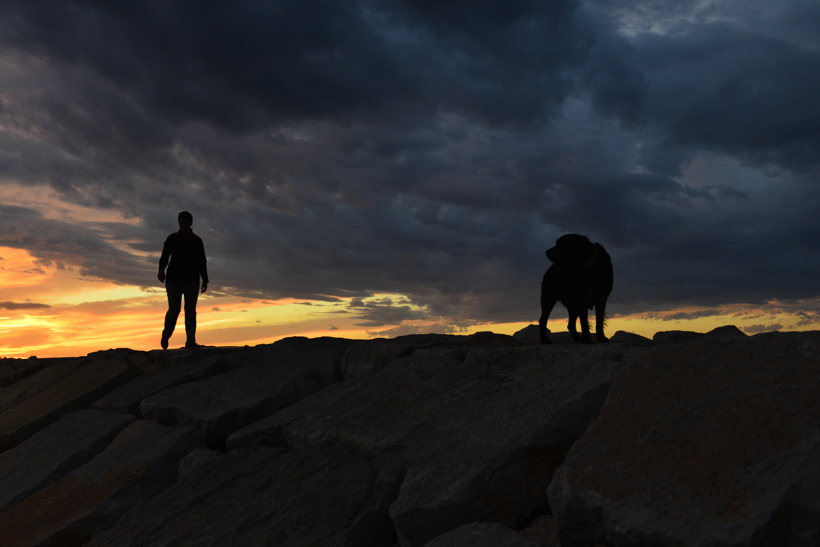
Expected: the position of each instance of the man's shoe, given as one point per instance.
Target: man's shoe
(164, 343)
(192, 345)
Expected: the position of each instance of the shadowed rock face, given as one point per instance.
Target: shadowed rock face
(139, 464)
(220, 405)
(262, 496)
(127, 398)
(482, 534)
(482, 436)
(76, 389)
(319, 357)
(715, 441)
(704, 439)
(55, 451)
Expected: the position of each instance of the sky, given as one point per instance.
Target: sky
(384, 167)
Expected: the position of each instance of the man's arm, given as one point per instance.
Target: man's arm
(163, 261)
(204, 270)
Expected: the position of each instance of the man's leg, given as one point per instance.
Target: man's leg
(174, 291)
(191, 295)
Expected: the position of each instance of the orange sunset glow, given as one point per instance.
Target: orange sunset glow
(57, 313)
(385, 169)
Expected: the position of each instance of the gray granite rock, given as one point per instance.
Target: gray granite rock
(493, 460)
(528, 336)
(320, 357)
(40, 379)
(322, 496)
(173, 358)
(220, 405)
(128, 397)
(77, 389)
(195, 461)
(369, 357)
(55, 451)
(139, 464)
(674, 336)
(482, 534)
(630, 338)
(726, 331)
(13, 373)
(482, 436)
(542, 530)
(141, 361)
(715, 441)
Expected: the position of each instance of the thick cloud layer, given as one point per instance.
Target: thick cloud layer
(432, 149)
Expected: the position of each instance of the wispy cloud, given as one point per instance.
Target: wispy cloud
(22, 306)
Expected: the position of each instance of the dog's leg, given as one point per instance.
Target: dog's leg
(573, 316)
(547, 303)
(600, 320)
(585, 338)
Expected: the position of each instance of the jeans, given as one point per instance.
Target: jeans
(175, 290)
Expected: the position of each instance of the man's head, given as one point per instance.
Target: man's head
(185, 220)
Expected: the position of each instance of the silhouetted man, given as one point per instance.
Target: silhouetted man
(188, 264)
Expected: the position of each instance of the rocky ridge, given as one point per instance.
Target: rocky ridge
(684, 440)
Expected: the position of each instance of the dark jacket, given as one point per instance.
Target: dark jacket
(187, 254)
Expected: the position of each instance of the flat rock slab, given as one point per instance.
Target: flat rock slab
(322, 496)
(11, 374)
(223, 404)
(369, 357)
(320, 357)
(493, 460)
(127, 398)
(714, 441)
(38, 380)
(139, 464)
(482, 436)
(173, 358)
(482, 534)
(55, 451)
(77, 389)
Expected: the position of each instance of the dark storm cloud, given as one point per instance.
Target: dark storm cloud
(22, 306)
(742, 81)
(383, 311)
(433, 149)
(246, 64)
(89, 252)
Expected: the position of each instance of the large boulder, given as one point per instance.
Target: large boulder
(127, 398)
(493, 458)
(320, 357)
(674, 336)
(139, 464)
(483, 436)
(482, 534)
(714, 441)
(220, 405)
(75, 390)
(14, 370)
(55, 451)
(369, 357)
(623, 337)
(327, 496)
(39, 379)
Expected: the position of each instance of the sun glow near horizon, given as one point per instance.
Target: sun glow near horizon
(51, 312)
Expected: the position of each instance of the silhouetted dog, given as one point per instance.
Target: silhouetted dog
(581, 278)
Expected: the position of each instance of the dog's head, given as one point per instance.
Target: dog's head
(572, 251)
